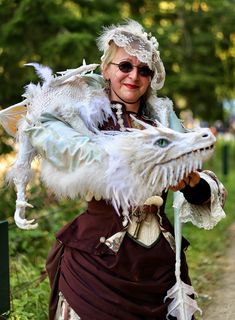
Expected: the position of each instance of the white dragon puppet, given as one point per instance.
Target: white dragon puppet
(153, 159)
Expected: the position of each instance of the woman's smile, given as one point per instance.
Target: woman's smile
(131, 86)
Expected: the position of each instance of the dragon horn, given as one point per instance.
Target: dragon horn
(144, 124)
(70, 73)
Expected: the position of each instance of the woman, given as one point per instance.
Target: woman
(112, 268)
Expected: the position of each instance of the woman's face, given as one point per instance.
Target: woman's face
(127, 87)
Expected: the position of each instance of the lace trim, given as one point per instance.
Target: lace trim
(207, 215)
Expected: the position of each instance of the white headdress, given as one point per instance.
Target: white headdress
(136, 42)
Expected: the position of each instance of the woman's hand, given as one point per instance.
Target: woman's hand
(192, 180)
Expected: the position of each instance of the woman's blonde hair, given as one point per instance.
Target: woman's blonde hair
(108, 55)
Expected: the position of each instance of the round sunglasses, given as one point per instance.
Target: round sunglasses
(126, 67)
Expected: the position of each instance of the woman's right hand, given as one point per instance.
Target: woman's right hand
(192, 180)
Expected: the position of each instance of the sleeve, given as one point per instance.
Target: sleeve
(198, 194)
(205, 215)
(60, 144)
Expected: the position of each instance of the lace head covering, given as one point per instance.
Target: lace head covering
(136, 42)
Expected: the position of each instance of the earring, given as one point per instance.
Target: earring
(107, 86)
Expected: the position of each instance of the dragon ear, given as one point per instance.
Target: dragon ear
(44, 72)
(10, 117)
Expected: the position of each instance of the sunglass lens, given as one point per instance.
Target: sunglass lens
(125, 67)
(145, 71)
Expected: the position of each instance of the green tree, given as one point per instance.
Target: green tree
(197, 43)
(57, 33)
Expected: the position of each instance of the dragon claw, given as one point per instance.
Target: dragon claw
(23, 204)
(19, 216)
(26, 224)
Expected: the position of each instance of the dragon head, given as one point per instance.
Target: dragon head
(157, 158)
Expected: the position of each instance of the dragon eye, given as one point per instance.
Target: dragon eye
(162, 143)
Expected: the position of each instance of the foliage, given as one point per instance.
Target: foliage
(29, 291)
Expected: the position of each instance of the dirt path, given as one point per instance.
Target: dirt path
(222, 306)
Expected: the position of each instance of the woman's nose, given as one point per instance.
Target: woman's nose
(134, 73)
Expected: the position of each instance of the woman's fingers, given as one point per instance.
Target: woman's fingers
(192, 180)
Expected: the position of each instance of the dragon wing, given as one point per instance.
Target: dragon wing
(10, 117)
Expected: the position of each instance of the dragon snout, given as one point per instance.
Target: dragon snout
(206, 134)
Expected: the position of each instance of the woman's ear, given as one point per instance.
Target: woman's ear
(105, 72)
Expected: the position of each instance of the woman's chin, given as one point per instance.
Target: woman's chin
(130, 98)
